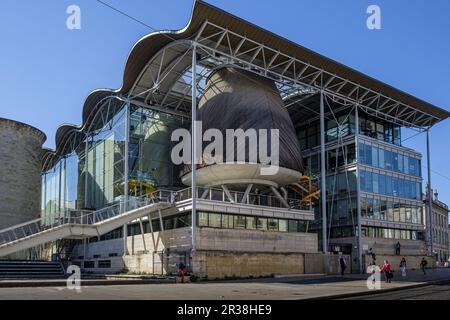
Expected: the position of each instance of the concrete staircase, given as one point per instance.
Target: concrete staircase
(10, 269)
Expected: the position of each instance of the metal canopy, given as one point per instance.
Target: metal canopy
(158, 73)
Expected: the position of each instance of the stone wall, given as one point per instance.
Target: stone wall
(255, 241)
(246, 252)
(20, 175)
(20, 172)
(387, 246)
(222, 264)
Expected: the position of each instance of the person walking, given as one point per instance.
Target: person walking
(372, 255)
(403, 267)
(386, 268)
(423, 264)
(343, 264)
(182, 270)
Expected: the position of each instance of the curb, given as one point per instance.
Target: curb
(85, 283)
(382, 291)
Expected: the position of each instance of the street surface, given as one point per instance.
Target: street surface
(293, 288)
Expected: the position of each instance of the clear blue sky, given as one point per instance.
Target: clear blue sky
(47, 70)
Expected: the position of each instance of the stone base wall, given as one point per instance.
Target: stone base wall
(220, 253)
(219, 265)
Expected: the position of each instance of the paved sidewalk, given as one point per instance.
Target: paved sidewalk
(305, 287)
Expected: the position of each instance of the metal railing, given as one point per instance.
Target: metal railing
(82, 217)
(217, 194)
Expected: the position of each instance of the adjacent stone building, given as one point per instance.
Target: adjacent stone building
(439, 226)
(20, 172)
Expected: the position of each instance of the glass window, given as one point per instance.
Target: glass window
(376, 208)
(342, 208)
(361, 153)
(239, 222)
(368, 154)
(381, 184)
(370, 127)
(369, 208)
(406, 164)
(374, 156)
(388, 159)
(227, 221)
(311, 137)
(388, 134)
(362, 180)
(293, 225)
(403, 234)
(283, 225)
(397, 136)
(251, 223)
(202, 219)
(396, 212)
(375, 182)
(390, 210)
(380, 131)
(381, 158)
(272, 224)
(414, 217)
(402, 214)
(395, 187)
(351, 153)
(215, 220)
(400, 163)
(342, 182)
(262, 223)
(351, 180)
(369, 183)
(408, 214)
(383, 209)
(363, 207)
(419, 214)
(388, 185)
(395, 161)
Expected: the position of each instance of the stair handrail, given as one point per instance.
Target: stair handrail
(20, 225)
(10, 234)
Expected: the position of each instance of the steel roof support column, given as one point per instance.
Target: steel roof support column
(86, 185)
(430, 192)
(323, 175)
(358, 193)
(125, 173)
(194, 146)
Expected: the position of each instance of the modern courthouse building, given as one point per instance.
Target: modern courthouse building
(113, 199)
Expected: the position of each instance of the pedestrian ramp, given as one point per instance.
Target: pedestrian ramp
(77, 225)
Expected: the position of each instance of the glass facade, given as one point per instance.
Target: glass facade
(391, 160)
(228, 221)
(150, 166)
(390, 209)
(390, 183)
(64, 181)
(344, 125)
(210, 220)
(388, 233)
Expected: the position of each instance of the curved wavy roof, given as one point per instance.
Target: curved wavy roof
(149, 45)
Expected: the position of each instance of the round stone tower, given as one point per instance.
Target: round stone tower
(20, 172)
